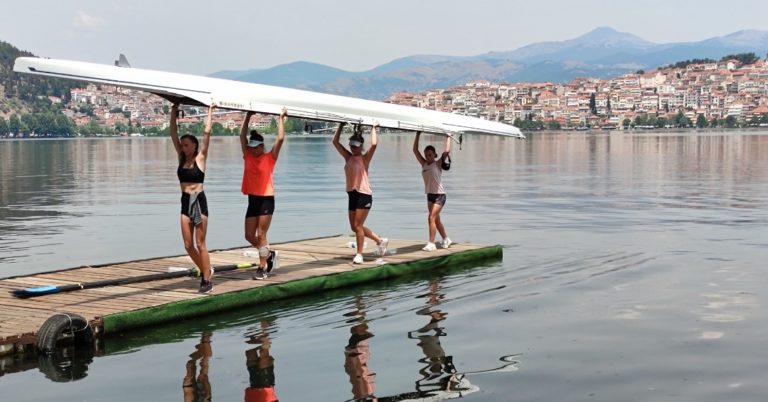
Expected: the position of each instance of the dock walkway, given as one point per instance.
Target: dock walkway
(306, 266)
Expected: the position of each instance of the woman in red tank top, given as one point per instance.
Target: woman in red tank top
(259, 164)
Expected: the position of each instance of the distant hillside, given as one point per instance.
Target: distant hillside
(601, 53)
(21, 93)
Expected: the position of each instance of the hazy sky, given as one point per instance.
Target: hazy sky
(201, 38)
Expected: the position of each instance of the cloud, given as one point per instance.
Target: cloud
(83, 20)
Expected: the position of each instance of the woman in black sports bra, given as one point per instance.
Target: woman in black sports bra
(194, 206)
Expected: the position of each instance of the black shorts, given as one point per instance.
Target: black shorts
(261, 377)
(438, 199)
(259, 205)
(201, 200)
(359, 200)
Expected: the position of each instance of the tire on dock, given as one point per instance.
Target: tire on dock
(66, 329)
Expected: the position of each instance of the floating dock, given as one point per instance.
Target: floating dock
(306, 266)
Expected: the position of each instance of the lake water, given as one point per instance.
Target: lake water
(634, 269)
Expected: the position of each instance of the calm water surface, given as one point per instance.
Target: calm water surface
(633, 270)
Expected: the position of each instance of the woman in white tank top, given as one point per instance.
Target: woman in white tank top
(431, 172)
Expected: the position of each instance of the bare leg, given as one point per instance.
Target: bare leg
(356, 223)
(251, 227)
(433, 219)
(205, 259)
(263, 223)
(187, 234)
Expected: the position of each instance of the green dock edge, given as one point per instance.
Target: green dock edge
(115, 323)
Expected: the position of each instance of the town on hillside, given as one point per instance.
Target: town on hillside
(698, 94)
(726, 93)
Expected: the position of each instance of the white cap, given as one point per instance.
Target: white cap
(255, 143)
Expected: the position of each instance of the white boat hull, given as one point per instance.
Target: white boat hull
(237, 95)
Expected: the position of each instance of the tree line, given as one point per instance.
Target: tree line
(682, 121)
(743, 58)
(32, 90)
(50, 123)
(56, 124)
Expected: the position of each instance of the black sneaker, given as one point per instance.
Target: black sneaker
(205, 287)
(260, 274)
(273, 261)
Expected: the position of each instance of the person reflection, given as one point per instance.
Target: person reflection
(356, 355)
(197, 387)
(261, 367)
(438, 372)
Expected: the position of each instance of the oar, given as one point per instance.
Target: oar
(175, 273)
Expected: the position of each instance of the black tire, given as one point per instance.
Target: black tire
(64, 328)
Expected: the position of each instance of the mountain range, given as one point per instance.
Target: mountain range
(601, 53)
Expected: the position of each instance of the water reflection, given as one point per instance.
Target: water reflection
(196, 386)
(66, 364)
(356, 355)
(438, 379)
(438, 372)
(261, 366)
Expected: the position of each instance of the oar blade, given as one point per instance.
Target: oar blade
(173, 272)
(38, 291)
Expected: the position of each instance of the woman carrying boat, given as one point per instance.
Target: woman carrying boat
(358, 188)
(257, 185)
(194, 205)
(431, 171)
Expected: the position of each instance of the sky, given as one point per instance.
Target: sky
(202, 38)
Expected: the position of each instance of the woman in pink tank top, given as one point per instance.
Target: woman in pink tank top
(358, 188)
(431, 171)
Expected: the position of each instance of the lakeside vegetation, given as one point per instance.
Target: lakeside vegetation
(648, 121)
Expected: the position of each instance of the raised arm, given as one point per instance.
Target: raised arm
(174, 127)
(448, 141)
(342, 151)
(244, 132)
(374, 142)
(416, 151)
(207, 132)
(280, 133)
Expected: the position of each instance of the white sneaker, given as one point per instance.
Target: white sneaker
(358, 259)
(447, 242)
(383, 246)
(430, 247)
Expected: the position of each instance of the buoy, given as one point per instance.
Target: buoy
(65, 328)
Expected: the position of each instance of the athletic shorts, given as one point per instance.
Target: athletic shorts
(201, 200)
(359, 200)
(438, 199)
(261, 377)
(258, 206)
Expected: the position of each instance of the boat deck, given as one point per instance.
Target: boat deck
(306, 266)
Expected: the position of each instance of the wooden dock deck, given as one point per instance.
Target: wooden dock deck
(306, 266)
